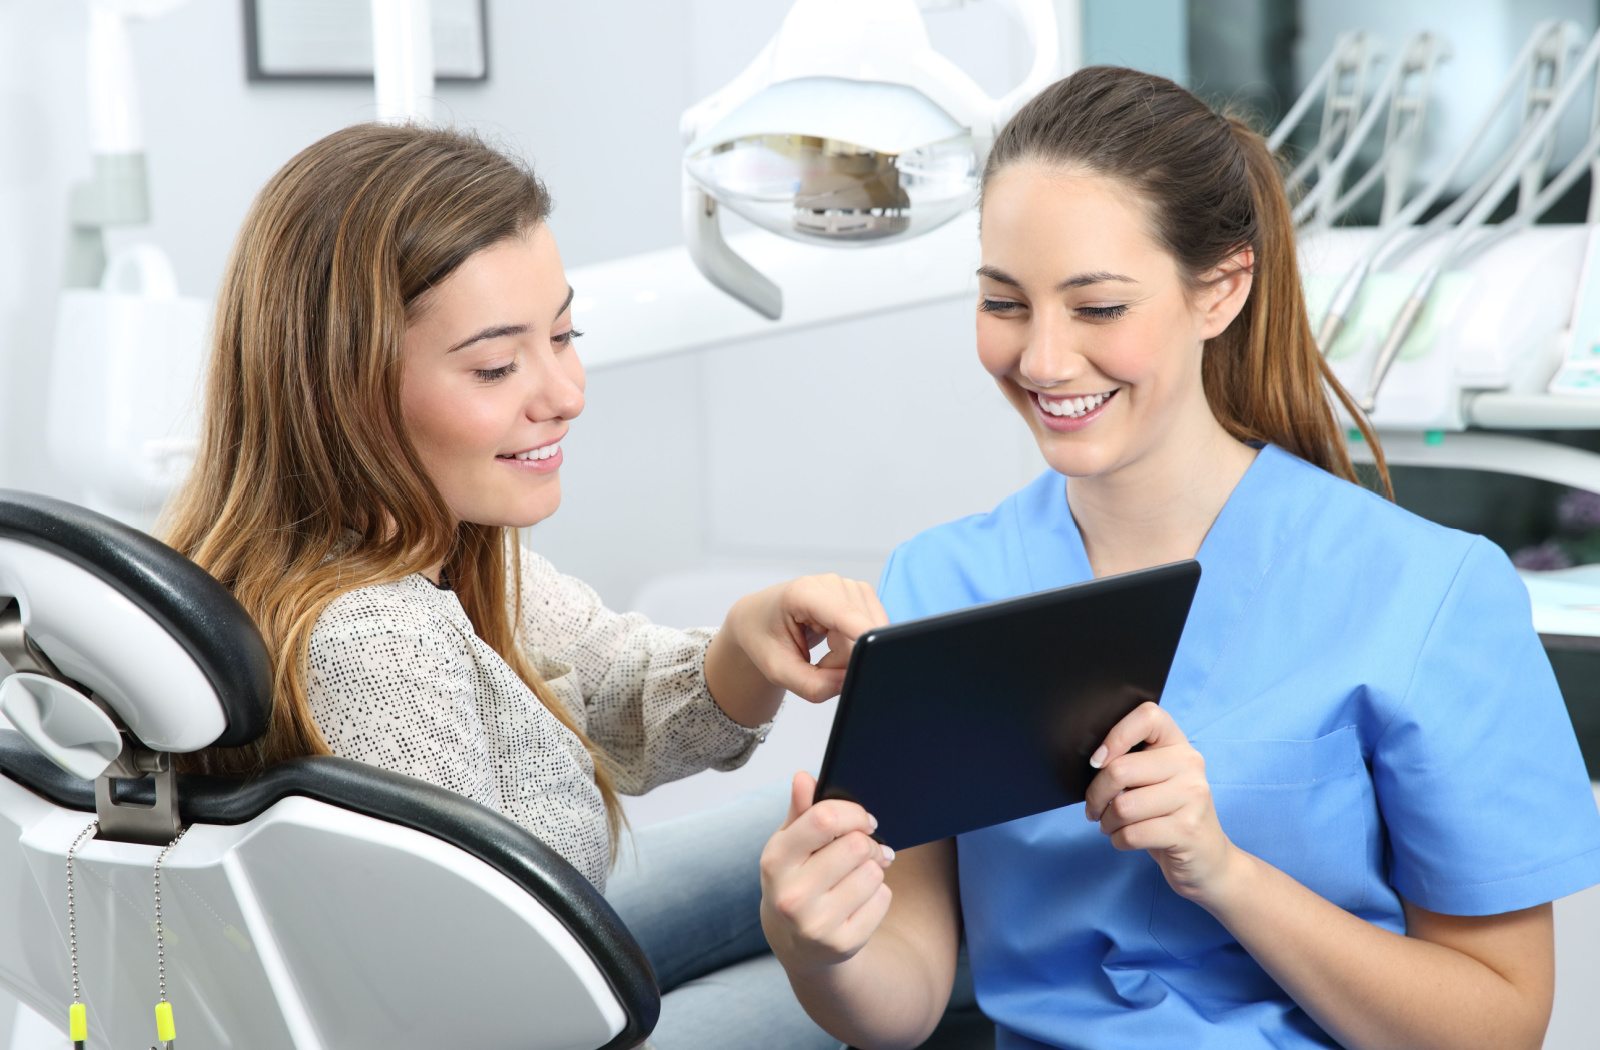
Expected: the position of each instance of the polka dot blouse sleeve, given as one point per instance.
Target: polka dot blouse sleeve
(643, 685)
(390, 685)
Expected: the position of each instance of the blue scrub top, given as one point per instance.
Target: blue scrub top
(1378, 719)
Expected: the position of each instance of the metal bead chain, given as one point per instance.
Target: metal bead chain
(161, 948)
(72, 909)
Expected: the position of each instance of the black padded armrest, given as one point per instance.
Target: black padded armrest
(410, 803)
(195, 609)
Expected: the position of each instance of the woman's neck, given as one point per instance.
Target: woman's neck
(433, 573)
(1158, 508)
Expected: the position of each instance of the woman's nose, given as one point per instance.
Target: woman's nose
(555, 394)
(1049, 359)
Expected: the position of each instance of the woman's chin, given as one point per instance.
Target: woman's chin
(518, 510)
(1076, 455)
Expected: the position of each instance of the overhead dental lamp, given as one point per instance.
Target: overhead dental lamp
(847, 130)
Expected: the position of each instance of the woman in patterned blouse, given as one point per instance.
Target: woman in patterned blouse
(391, 379)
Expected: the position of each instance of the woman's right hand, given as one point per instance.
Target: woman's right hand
(822, 889)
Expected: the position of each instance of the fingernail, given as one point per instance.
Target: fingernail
(1098, 759)
(874, 821)
(888, 854)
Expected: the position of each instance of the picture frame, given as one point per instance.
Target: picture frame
(331, 40)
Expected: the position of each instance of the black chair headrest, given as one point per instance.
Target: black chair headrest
(193, 608)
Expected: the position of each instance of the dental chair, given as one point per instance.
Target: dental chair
(323, 905)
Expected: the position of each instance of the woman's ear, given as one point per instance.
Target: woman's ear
(1225, 290)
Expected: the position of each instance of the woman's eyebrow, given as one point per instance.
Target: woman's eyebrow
(1081, 280)
(492, 332)
(994, 273)
(1084, 280)
(499, 330)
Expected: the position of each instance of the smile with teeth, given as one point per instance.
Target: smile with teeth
(1073, 407)
(543, 452)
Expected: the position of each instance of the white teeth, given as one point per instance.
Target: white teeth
(539, 453)
(1072, 407)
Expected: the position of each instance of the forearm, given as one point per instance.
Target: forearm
(886, 997)
(737, 684)
(1367, 987)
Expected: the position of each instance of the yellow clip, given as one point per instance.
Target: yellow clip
(78, 1022)
(164, 1031)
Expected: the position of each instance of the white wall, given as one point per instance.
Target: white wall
(42, 142)
(591, 92)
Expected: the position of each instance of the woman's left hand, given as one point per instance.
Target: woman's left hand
(765, 644)
(1157, 799)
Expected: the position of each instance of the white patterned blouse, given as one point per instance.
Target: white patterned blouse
(398, 678)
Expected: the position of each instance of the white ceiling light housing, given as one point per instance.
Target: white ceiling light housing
(848, 129)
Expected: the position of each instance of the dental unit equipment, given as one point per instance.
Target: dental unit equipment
(325, 903)
(682, 299)
(848, 129)
(1514, 174)
(1341, 81)
(117, 193)
(1403, 92)
(128, 347)
(1540, 66)
(402, 59)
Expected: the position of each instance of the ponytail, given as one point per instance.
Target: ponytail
(1264, 376)
(1214, 190)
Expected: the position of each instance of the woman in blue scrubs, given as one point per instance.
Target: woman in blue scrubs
(1361, 790)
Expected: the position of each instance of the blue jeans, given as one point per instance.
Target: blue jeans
(690, 891)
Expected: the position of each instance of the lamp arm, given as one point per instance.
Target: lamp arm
(719, 263)
(1038, 20)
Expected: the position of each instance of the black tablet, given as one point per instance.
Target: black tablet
(952, 723)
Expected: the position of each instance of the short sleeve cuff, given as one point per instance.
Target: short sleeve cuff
(1504, 895)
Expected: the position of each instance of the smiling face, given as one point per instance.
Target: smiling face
(1086, 323)
(491, 383)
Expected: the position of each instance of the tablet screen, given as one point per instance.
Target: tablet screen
(956, 722)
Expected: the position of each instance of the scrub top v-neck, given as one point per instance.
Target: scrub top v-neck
(1378, 719)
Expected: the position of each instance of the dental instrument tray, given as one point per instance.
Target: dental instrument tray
(956, 722)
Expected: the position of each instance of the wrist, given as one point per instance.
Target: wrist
(798, 959)
(1236, 883)
(734, 682)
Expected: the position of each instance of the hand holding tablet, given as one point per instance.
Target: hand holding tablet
(956, 722)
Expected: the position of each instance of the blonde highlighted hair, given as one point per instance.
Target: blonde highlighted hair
(306, 485)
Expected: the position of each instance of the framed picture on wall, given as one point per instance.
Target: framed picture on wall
(332, 39)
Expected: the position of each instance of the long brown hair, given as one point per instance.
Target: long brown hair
(1213, 189)
(306, 485)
